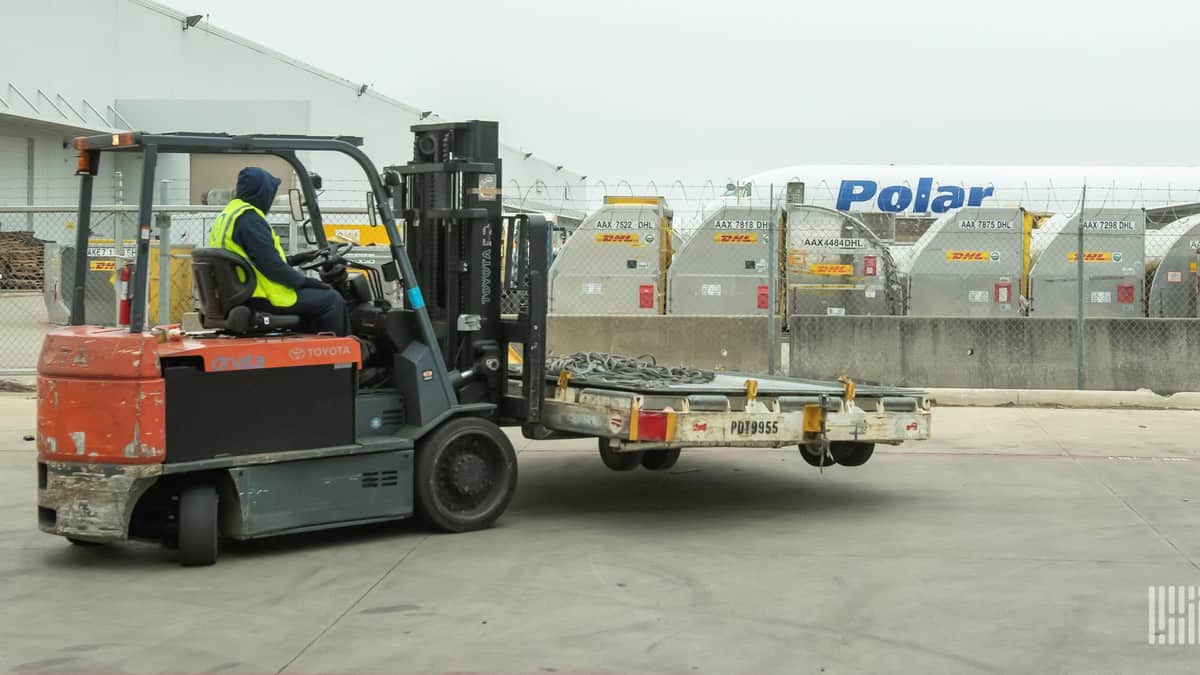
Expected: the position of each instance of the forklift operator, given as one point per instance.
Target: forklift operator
(242, 229)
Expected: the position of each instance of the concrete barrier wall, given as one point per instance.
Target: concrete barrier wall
(1003, 353)
(714, 342)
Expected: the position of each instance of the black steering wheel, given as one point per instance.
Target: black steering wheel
(327, 257)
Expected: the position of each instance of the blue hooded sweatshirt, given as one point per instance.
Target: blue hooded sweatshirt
(253, 234)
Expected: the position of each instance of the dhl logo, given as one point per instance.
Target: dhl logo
(825, 269)
(102, 265)
(1091, 256)
(735, 238)
(617, 238)
(967, 256)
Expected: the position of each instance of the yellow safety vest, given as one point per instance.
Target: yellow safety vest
(221, 236)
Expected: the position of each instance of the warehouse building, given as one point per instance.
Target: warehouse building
(99, 66)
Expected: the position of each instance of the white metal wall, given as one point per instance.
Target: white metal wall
(132, 56)
(14, 169)
(53, 172)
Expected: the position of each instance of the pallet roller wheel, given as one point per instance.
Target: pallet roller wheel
(660, 460)
(811, 452)
(850, 453)
(618, 461)
(466, 474)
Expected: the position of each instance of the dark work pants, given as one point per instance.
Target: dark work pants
(323, 310)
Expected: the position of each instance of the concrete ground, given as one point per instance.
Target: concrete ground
(1017, 540)
(23, 325)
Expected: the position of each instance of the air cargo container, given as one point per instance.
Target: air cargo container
(616, 261)
(723, 267)
(1113, 265)
(971, 262)
(836, 265)
(1172, 255)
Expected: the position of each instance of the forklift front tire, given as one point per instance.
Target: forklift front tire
(618, 461)
(198, 525)
(466, 474)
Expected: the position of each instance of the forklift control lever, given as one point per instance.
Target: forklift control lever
(460, 379)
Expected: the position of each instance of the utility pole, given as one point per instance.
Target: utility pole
(1079, 326)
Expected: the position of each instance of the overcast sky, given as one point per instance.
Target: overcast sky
(665, 90)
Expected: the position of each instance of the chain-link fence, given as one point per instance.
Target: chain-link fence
(774, 250)
(978, 285)
(37, 266)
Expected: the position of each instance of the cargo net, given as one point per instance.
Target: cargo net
(599, 368)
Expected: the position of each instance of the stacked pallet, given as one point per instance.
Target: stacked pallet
(21, 261)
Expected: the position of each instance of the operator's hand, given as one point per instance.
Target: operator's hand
(303, 257)
(310, 282)
(334, 276)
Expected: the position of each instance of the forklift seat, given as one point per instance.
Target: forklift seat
(225, 283)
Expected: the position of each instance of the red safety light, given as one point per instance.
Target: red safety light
(114, 141)
(1125, 294)
(764, 297)
(646, 296)
(869, 266)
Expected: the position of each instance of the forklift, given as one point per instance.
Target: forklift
(250, 428)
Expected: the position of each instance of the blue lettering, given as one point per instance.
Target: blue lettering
(949, 197)
(922, 199)
(978, 194)
(895, 198)
(855, 191)
(924, 189)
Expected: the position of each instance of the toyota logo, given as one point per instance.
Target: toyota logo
(296, 353)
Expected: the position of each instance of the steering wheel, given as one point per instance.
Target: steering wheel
(328, 256)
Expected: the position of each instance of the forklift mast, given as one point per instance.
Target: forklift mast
(449, 199)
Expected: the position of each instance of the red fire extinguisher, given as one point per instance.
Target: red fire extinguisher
(125, 293)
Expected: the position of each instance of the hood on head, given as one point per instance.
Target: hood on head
(257, 187)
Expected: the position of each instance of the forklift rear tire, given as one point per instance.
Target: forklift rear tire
(811, 454)
(660, 460)
(198, 525)
(466, 475)
(618, 461)
(849, 453)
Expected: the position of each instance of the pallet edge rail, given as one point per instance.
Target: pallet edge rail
(667, 419)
